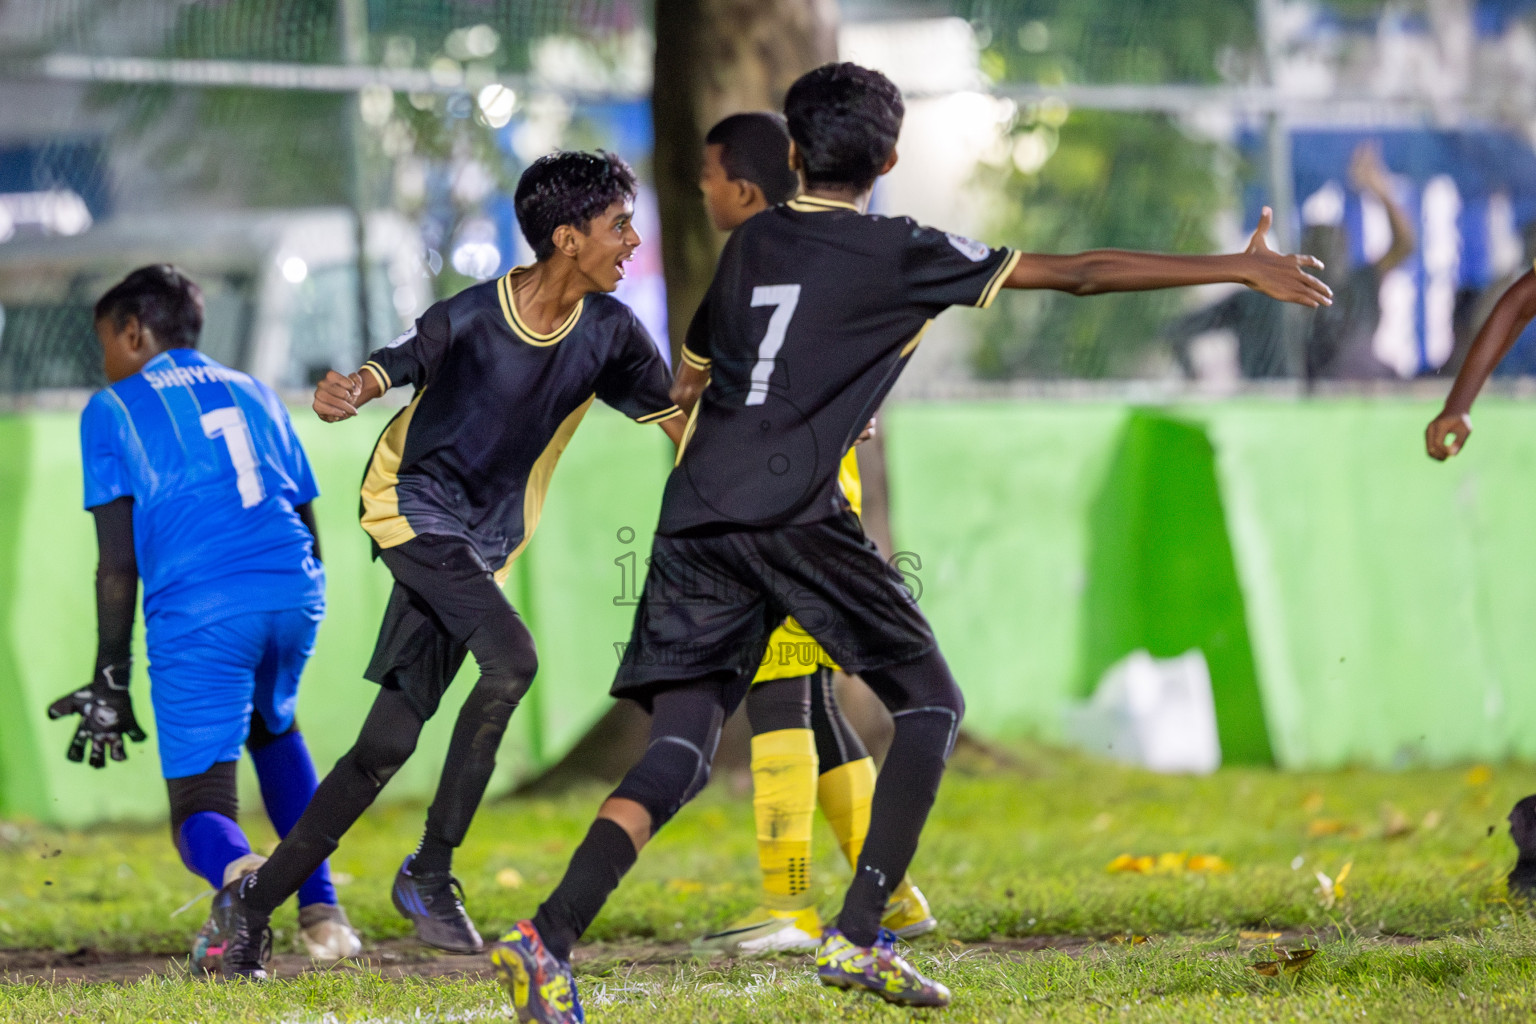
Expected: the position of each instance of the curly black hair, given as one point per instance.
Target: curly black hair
(754, 147)
(161, 298)
(568, 188)
(844, 119)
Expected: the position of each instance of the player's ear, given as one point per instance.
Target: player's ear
(131, 334)
(567, 240)
(890, 161)
(747, 193)
(796, 164)
(142, 339)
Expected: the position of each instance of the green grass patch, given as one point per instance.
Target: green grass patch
(1010, 854)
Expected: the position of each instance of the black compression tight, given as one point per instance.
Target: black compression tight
(505, 653)
(926, 705)
(387, 739)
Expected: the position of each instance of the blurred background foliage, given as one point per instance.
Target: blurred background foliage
(1127, 181)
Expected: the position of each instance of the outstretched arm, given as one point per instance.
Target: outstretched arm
(1448, 432)
(1259, 267)
(1369, 174)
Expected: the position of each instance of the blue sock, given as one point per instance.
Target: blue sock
(208, 842)
(287, 777)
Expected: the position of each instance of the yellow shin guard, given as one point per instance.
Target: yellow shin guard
(784, 799)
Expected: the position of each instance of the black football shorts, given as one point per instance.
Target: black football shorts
(443, 592)
(710, 603)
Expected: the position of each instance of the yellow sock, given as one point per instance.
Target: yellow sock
(845, 793)
(784, 799)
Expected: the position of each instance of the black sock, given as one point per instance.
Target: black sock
(904, 794)
(433, 857)
(596, 868)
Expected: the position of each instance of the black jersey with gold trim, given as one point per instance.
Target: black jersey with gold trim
(814, 311)
(496, 404)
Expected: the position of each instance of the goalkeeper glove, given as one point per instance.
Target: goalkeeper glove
(106, 716)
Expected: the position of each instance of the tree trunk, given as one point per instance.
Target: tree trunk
(714, 58)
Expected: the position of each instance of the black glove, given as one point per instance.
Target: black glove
(106, 716)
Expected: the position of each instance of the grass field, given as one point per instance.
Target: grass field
(1015, 860)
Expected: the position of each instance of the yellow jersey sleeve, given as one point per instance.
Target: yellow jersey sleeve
(848, 480)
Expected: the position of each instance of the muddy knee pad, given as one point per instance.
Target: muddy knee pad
(671, 773)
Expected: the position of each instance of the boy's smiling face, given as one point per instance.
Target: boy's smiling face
(608, 243)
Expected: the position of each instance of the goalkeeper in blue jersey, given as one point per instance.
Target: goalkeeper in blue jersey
(198, 484)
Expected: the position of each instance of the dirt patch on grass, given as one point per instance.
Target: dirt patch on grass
(401, 958)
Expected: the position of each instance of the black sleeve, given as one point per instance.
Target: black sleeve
(940, 269)
(414, 357)
(117, 581)
(696, 349)
(635, 380)
(306, 513)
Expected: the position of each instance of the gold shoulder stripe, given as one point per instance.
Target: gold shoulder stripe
(995, 285)
(695, 360)
(515, 320)
(660, 417)
(379, 374)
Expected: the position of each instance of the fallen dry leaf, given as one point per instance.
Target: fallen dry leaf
(1285, 959)
(1127, 864)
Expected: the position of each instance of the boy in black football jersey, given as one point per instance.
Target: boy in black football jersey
(814, 310)
(804, 752)
(503, 373)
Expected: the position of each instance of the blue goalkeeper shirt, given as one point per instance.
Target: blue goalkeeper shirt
(210, 459)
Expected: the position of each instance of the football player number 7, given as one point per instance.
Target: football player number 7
(229, 423)
(783, 298)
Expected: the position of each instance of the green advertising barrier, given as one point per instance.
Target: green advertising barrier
(1389, 598)
(609, 480)
(990, 506)
(1356, 602)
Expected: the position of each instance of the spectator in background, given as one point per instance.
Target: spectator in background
(1339, 345)
(1338, 339)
